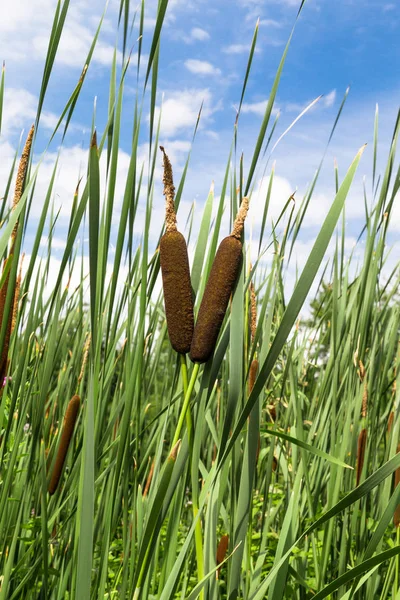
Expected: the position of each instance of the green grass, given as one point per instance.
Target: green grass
(132, 518)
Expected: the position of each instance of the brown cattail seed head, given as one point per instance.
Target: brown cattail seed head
(169, 193)
(390, 422)
(362, 442)
(221, 551)
(220, 285)
(252, 374)
(253, 312)
(178, 297)
(364, 400)
(71, 416)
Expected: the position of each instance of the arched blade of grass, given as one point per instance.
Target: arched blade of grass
(297, 300)
(305, 446)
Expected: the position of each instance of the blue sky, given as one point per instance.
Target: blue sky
(204, 54)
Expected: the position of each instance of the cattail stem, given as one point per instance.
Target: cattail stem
(71, 416)
(186, 403)
(198, 536)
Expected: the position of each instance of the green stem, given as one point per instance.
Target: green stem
(198, 537)
(185, 404)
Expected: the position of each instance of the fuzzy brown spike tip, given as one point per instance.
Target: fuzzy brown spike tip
(253, 374)
(70, 418)
(178, 297)
(169, 193)
(220, 285)
(362, 442)
(23, 166)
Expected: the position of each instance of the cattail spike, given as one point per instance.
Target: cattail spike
(390, 422)
(174, 452)
(71, 416)
(23, 166)
(364, 400)
(240, 218)
(175, 270)
(149, 478)
(16, 295)
(220, 285)
(253, 312)
(252, 374)
(221, 551)
(85, 357)
(169, 193)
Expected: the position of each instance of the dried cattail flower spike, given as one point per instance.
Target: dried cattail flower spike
(19, 187)
(70, 418)
(178, 297)
(361, 445)
(220, 285)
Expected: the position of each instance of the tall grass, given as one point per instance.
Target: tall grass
(270, 467)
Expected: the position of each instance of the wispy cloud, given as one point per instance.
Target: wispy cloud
(25, 28)
(180, 110)
(326, 101)
(201, 67)
(198, 34)
(257, 108)
(237, 49)
(270, 23)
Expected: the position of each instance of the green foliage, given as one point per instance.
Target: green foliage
(273, 468)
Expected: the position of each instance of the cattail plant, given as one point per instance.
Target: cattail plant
(70, 418)
(178, 297)
(362, 438)
(11, 317)
(220, 285)
(253, 327)
(221, 551)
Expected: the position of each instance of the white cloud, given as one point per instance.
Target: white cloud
(326, 101)
(199, 34)
(236, 49)
(25, 29)
(257, 108)
(20, 108)
(270, 23)
(201, 67)
(180, 110)
(329, 99)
